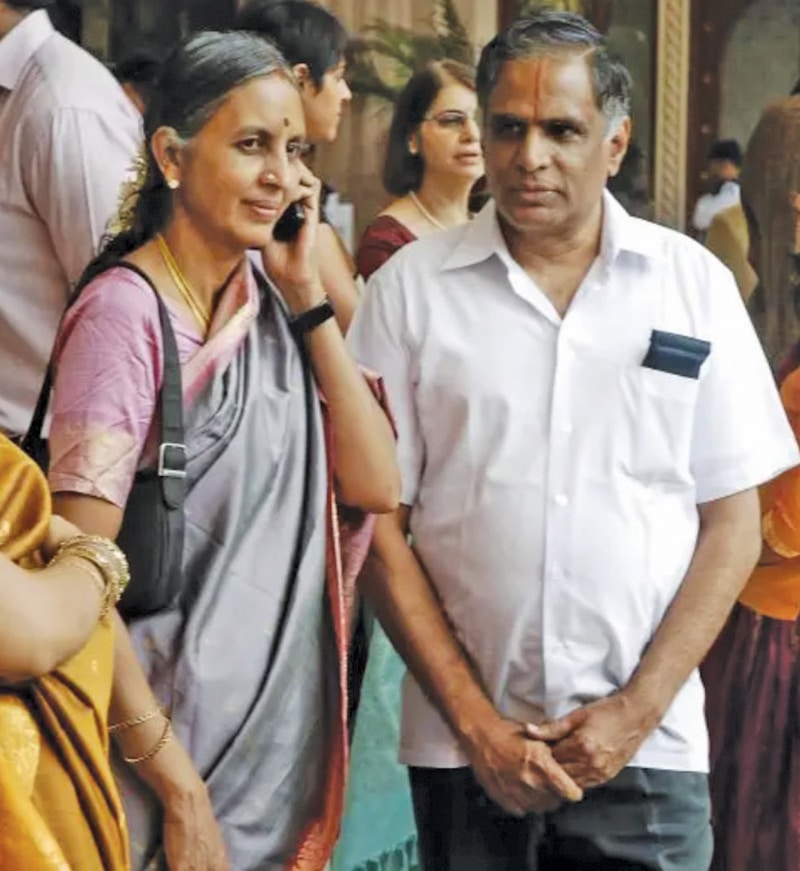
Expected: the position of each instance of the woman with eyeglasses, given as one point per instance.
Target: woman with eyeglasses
(432, 161)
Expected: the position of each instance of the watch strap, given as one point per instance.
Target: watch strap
(309, 320)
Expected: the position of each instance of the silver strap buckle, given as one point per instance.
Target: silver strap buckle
(164, 470)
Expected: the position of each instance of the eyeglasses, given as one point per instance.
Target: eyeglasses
(452, 119)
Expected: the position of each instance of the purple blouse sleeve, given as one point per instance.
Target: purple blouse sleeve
(108, 374)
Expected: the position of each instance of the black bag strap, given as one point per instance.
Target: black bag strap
(171, 459)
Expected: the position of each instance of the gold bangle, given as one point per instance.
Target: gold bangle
(87, 567)
(88, 555)
(106, 557)
(159, 746)
(135, 721)
(104, 553)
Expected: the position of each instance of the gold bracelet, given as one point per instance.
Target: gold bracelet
(87, 567)
(135, 721)
(88, 555)
(105, 555)
(160, 745)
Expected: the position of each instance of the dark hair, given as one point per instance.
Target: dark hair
(303, 31)
(29, 4)
(726, 149)
(545, 30)
(196, 78)
(141, 68)
(402, 170)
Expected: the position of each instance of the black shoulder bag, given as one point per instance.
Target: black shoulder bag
(152, 531)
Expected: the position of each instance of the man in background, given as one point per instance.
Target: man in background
(68, 136)
(584, 413)
(724, 166)
(138, 72)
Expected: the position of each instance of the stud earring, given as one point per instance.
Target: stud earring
(173, 184)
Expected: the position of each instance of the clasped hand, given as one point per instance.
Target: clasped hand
(594, 743)
(535, 768)
(518, 773)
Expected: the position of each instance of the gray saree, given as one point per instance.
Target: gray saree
(250, 663)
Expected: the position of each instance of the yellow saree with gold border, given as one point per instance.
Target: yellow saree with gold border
(59, 806)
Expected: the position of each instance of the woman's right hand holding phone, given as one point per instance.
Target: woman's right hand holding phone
(292, 265)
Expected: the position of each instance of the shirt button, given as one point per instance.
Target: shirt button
(561, 500)
(566, 428)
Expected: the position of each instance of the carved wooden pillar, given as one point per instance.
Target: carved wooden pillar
(672, 101)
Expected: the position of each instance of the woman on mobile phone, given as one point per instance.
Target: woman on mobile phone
(227, 701)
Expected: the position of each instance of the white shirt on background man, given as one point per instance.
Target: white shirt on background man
(553, 480)
(710, 205)
(68, 138)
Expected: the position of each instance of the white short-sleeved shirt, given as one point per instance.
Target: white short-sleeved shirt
(68, 139)
(554, 480)
(710, 205)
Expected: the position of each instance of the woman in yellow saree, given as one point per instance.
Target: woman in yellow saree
(59, 808)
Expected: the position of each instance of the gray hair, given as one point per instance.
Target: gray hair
(546, 31)
(196, 78)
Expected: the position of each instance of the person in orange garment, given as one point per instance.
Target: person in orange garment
(752, 674)
(59, 806)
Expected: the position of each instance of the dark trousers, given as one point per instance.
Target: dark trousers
(643, 820)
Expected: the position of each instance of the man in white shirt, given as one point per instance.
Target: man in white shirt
(68, 137)
(583, 414)
(725, 166)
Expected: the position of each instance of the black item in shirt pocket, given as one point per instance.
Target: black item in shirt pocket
(676, 354)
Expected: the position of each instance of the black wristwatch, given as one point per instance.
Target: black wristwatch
(309, 320)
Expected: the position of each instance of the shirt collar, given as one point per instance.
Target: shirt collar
(20, 44)
(480, 240)
(621, 232)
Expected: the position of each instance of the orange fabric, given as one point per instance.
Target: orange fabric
(24, 503)
(59, 807)
(774, 590)
(349, 537)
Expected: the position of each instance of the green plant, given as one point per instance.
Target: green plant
(386, 55)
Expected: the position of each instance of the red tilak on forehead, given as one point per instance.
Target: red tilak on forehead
(540, 69)
(285, 122)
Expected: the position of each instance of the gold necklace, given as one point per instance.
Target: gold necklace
(424, 212)
(202, 316)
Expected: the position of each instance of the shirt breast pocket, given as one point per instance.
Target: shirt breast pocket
(664, 413)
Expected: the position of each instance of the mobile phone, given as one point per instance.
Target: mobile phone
(288, 225)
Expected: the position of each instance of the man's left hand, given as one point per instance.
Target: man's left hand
(594, 743)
